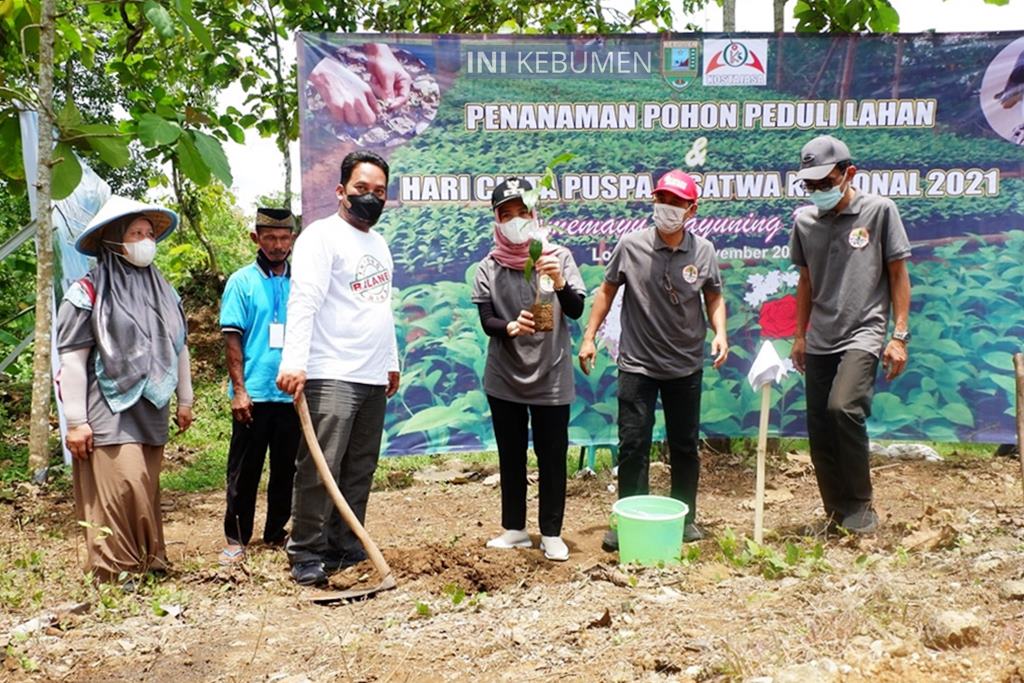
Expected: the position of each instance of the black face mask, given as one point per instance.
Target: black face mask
(366, 207)
(265, 261)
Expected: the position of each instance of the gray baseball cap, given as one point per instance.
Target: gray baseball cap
(820, 156)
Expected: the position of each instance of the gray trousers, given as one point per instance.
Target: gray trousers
(349, 420)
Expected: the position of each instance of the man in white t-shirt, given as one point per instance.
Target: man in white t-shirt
(340, 349)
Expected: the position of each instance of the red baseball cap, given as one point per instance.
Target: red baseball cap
(678, 183)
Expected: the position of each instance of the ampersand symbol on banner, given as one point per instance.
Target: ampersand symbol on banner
(698, 153)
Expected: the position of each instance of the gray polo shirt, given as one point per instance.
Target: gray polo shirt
(846, 256)
(661, 338)
(535, 369)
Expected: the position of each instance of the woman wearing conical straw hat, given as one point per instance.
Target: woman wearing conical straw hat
(121, 338)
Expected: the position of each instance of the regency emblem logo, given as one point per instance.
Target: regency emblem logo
(680, 62)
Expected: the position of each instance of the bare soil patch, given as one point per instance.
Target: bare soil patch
(801, 608)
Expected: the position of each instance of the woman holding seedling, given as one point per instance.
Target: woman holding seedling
(524, 289)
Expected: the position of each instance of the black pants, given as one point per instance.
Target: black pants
(680, 399)
(839, 391)
(550, 443)
(274, 425)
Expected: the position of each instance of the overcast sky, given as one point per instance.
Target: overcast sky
(258, 169)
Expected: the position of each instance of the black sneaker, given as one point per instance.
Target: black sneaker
(610, 542)
(692, 532)
(309, 573)
(863, 522)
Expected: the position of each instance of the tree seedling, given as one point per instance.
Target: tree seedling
(543, 312)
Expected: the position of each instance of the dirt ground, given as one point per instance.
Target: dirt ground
(796, 609)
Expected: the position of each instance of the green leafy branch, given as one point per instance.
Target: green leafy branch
(536, 247)
(846, 16)
(532, 197)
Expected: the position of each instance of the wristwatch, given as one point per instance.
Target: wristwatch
(902, 336)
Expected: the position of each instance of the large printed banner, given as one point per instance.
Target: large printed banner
(935, 122)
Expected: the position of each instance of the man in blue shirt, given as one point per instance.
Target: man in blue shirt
(252, 318)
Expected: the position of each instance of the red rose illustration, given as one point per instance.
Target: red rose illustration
(778, 318)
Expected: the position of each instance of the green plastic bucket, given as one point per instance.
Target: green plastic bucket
(650, 529)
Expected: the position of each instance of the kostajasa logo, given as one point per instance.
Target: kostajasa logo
(735, 55)
(680, 62)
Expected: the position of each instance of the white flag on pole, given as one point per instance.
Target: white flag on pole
(768, 367)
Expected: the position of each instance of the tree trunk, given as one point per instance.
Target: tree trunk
(39, 431)
(282, 144)
(812, 93)
(729, 16)
(897, 68)
(779, 24)
(188, 202)
(847, 78)
(281, 104)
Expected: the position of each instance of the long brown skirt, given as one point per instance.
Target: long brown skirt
(117, 495)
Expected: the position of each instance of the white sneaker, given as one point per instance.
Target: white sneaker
(513, 538)
(554, 548)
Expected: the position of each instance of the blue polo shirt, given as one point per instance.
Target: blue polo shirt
(253, 300)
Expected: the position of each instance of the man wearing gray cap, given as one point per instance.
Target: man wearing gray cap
(851, 249)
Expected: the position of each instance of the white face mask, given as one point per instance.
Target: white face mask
(141, 253)
(518, 230)
(669, 219)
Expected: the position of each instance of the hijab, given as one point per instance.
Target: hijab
(138, 324)
(512, 255)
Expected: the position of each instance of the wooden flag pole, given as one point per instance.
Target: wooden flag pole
(1018, 366)
(762, 447)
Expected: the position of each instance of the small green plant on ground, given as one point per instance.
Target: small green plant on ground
(455, 598)
(795, 559)
(16, 653)
(456, 592)
(691, 554)
(21, 584)
(460, 599)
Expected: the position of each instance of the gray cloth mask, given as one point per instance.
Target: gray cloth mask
(139, 327)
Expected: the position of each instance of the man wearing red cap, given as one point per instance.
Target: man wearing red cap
(666, 269)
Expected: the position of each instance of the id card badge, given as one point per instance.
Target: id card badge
(277, 335)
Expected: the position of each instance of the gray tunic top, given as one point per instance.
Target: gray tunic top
(662, 338)
(846, 256)
(141, 423)
(535, 369)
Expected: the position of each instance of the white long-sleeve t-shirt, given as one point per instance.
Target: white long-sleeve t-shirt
(340, 322)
